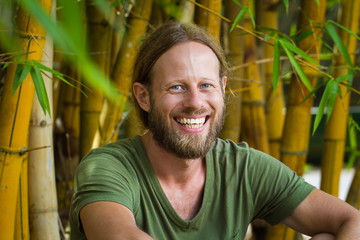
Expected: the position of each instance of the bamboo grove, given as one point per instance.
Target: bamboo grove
(65, 84)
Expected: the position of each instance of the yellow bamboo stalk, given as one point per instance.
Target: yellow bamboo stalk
(66, 141)
(90, 106)
(253, 114)
(14, 127)
(112, 112)
(295, 142)
(43, 207)
(274, 109)
(133, 125)
(22, 231)
(206, 19)
(335, 128)
(275, 115)
(188, 11)
(231, 129)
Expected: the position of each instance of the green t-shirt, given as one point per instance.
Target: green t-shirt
(242, 184)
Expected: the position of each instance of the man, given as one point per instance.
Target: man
(178, 181)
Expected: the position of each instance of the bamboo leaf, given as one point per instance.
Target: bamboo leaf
(276, 65)
(40, 89)
(322, 105)
(60, 76)
(339, 43)
(296, 66)
(239, 17)
(252, 17)
(300, 52)
(303, 35)
(21, 73)
(286, 3)
(333, 92)
(345, 29)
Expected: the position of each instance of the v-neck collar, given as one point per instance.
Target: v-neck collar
(164, 201)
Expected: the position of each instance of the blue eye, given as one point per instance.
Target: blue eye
(176, 87)
(205, 85)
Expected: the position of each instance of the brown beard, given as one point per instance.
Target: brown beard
(186, 146)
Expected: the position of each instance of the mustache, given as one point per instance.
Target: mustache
(192, 111)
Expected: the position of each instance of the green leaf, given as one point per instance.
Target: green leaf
(5, 65)
(339, 43)
(322, 105)
(330, 106)
(345, 29)
(286, 3)
(60, 76)
(21, 73)
(300, 52)
(40, 89)
(252, 17)
(296, 66)
(303, 35)
(239, 17)
(276, 65)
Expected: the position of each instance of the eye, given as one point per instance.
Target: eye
(205, 85)
(176, 88)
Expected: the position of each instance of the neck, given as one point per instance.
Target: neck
(168, 167)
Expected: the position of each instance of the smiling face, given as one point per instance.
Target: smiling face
(186, 104)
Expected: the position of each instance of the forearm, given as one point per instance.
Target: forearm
(323, 236)
(350, 229)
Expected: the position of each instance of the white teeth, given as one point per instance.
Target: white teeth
(192, 122)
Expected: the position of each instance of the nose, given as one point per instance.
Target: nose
(193, 99)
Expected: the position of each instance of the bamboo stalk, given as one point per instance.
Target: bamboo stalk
(274, 109)
(275, 116)
(100, 37)
(14, 127)
(253, 114)
(112, 113)
(295, 142)
(66, 141)
(335, 128)
(208, 20)
(43, 207)
(22, 231)
(231, 129)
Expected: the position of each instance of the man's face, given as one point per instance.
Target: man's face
(187, 100)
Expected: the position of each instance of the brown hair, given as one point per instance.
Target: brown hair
(161, 40)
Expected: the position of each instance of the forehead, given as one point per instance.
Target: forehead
(187, 58)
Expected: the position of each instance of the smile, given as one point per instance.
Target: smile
(191, 122)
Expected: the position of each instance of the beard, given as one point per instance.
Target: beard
(186, 146)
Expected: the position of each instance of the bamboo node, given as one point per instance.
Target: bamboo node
(22, 151)
(282, 150)
(29, 35)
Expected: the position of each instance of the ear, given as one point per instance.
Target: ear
(223, 81)
(142, 96)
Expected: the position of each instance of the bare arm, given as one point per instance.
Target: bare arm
(321, 215)
(109, 220)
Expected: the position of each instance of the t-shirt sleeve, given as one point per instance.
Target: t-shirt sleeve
(101, 176)
(276, 189)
